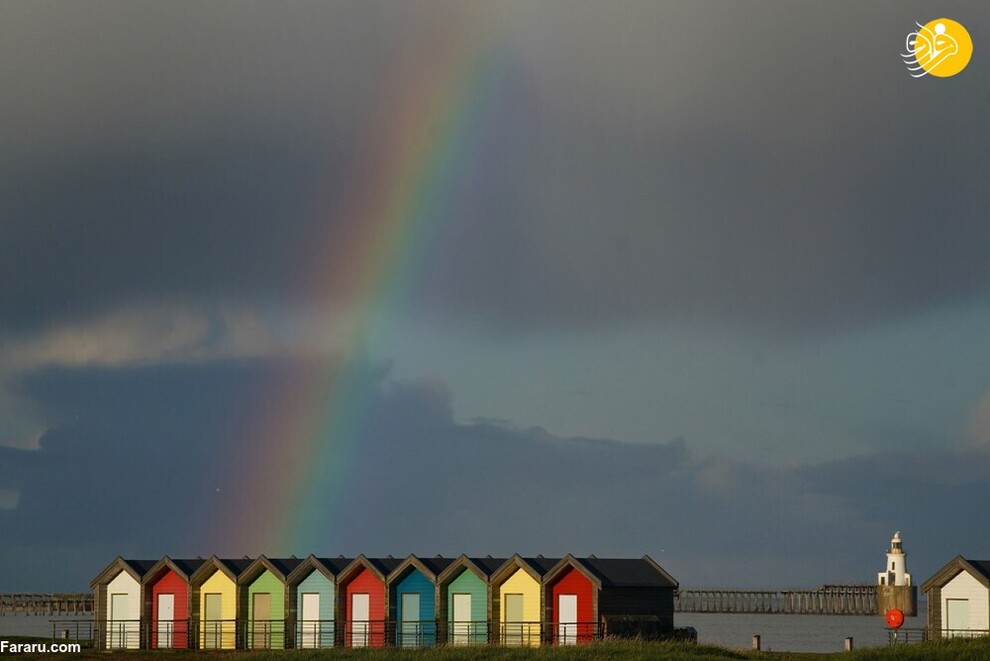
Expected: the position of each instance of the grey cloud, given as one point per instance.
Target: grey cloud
(151, 432)
(665, 162)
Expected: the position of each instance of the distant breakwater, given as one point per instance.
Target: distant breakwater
(826, 600)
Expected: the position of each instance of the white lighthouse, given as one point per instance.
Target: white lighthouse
(896, 571)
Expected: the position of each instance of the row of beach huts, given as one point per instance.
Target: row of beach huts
(261, 603)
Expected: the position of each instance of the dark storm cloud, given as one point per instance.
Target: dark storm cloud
(182, 152)
(765, 164)
(776, 187)
(132, 467)
(217, 220)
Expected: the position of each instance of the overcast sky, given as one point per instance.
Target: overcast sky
(710, 281)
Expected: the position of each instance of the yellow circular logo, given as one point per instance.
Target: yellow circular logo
(940, 48)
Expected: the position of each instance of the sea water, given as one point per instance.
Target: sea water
(42, 626)
(792, 633)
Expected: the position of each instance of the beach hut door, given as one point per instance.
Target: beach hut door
(567, 616)
(462, 619)
(956, 616)
(310, 618)
(166, 616)
(410, 619)
(514, 619)
(262, 620)
(213, 622)
(360, 614)
(118, 623)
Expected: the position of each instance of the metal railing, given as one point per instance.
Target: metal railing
(79, 631)
(961, 633)
(265, 634)
(907, 636)
(572, 633)
(169, 634)
(520, 634)
(122, 634)
(287, 634)
(218, 634)
(365, 633)
(422, 633)
(315, 633)
(467, 633)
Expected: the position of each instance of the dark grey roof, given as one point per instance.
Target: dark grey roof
(188, 566)
(237, 565)
(626, 572)
(336, 565)
(542, 565)
(488, 564)
(386, 565)
(285, 565)
(436, 565)
(141, 567)
(982, 566)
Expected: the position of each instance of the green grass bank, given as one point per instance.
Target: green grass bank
(955, 650)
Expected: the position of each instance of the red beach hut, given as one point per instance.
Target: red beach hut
(167, 590)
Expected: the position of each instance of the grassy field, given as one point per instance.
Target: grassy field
(963, 650)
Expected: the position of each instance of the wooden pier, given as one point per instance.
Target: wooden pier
(79, 603)
(826, 600)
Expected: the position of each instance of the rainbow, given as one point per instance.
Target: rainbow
(302, 441)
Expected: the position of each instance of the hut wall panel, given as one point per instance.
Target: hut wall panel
(367, 582)
(321, 585)
(227, 589)
(417, 583)
(269, 583)
(522, 583)
(613, 601)
(469, 583)
(123, 627)
(574, 582)
(965, 586)
(172, 583)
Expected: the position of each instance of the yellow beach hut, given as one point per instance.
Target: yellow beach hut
(516, 600)
(214, 597)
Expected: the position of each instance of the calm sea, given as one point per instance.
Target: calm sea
(792, 633)
(38, 625)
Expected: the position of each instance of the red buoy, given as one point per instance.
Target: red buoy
(895, 618)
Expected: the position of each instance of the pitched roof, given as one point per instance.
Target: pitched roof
(386, 565)
(536, 568)
(628, 572)
(229, 568)
(278, 567)
(483, 568)
(381, 568)
(425, 567)
(437, 564)
(141, 567)
(488, 564)
(285, 565)
(184, 568)
(336, 565)
(237, 565)
(542, 565)
(978, 569)
(983, 566)
(135, 568)
(188, 565)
